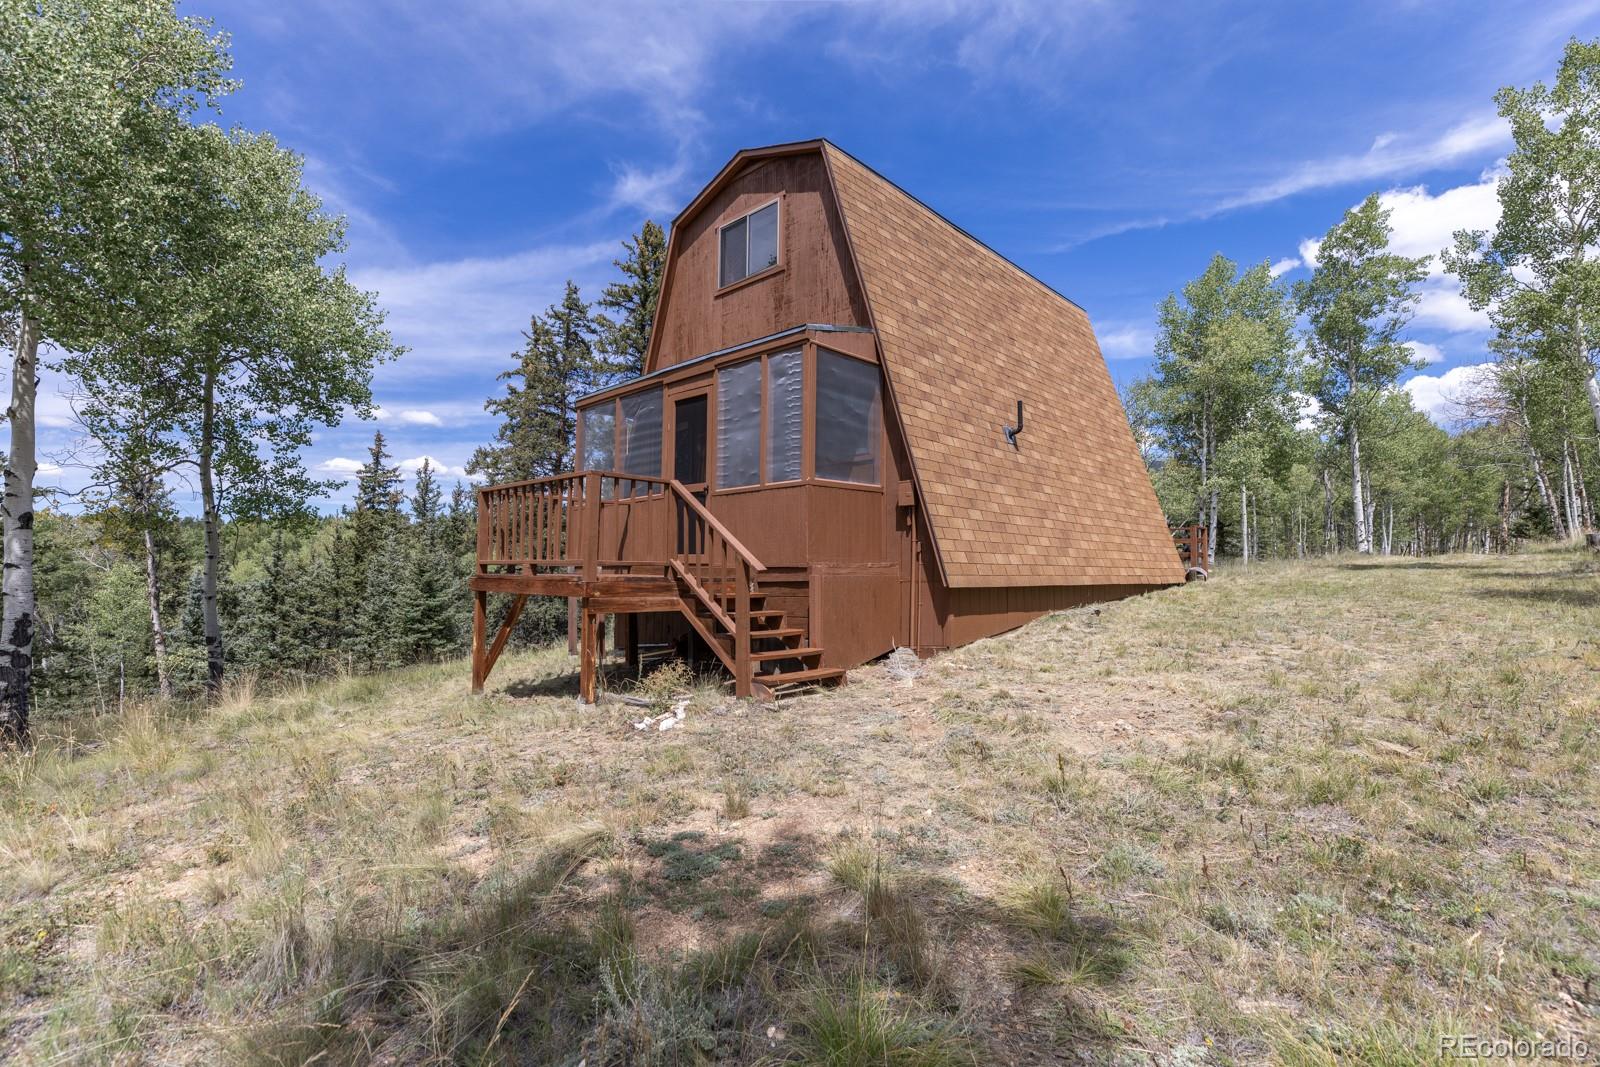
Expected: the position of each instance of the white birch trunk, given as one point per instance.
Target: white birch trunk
(1244, 525)
(1568, 495)
(1327, 512)
(1362, 533)
(158, 635)
(17, 620)
(1546, 493)
(1209, 450)
(1580, 490)
(212, 623)
(1591, 387)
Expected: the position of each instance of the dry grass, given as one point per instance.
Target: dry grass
(1319, 813)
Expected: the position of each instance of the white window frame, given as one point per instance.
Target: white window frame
(745, 218)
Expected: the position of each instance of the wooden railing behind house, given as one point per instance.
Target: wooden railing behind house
(1193, 543)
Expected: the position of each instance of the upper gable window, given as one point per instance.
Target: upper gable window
(749, 245)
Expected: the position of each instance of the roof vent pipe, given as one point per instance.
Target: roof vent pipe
(1012, 431)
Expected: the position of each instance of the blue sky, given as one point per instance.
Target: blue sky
(486, 151)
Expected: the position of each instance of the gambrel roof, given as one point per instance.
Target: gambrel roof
(964, 334)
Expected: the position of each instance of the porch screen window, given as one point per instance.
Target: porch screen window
(784, 416)
(749, 245)
(739, 425)
(641, 435)
(848, 413)
(599, 437)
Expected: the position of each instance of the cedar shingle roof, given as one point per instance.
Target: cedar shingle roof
(964, 335)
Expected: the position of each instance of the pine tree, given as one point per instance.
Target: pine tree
(425, 501)
(538, 424)
(625, 339)
(341, 601)
(426, 610)
(378, 499)
(379, 641)
(461, 522)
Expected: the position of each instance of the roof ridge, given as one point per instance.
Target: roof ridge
(897, 187)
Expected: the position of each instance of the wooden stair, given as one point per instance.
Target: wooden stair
(783, 661)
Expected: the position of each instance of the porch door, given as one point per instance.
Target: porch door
(689, 421)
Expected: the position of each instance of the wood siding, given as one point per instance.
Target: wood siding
(813, 282)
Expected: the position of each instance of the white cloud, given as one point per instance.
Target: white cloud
(1126, 341)
(1440, 304)
(1423, 224)
(1283, 266)
(1308, 252)
(408, 416)
(414, 464)
(1391, 154)
(1441, 396)
(339, 465)
(656, 192)
(467, 314)
(1429, 354)
(1310, 411)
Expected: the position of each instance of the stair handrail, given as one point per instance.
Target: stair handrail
(748, 567)
(683, 493)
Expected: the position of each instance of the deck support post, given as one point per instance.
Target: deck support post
(630, 640)
(480, 620)
(591, 653)
(743, 675)
(483, 659)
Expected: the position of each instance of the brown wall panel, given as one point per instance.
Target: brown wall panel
(854, 612)
(846, 525)
(814, 282)
(770, 522)
(970, 614)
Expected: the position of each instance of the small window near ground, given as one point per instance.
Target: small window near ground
(739, 425)
(641, 435)
(848, 414)
(785, 416)
(599, 437)
(748, 245)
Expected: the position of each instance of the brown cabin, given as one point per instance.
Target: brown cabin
(858, 428)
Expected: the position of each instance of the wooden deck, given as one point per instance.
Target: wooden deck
(620, 544)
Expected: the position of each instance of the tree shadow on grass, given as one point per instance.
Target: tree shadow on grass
(556, 685)
(614, 678)
(1572, 598)
(1414, 565)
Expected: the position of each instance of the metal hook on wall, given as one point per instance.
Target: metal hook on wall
(1012, 431)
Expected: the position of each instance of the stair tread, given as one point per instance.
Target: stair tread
(755, 613)
(784, 631)
(785, 653)
(812, 674)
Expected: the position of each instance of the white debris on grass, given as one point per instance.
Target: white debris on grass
(669, 719)
(902, 665)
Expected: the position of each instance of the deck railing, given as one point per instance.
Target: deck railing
(554, 523)
(593, 521)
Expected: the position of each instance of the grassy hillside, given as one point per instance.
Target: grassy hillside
(1308, 814)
